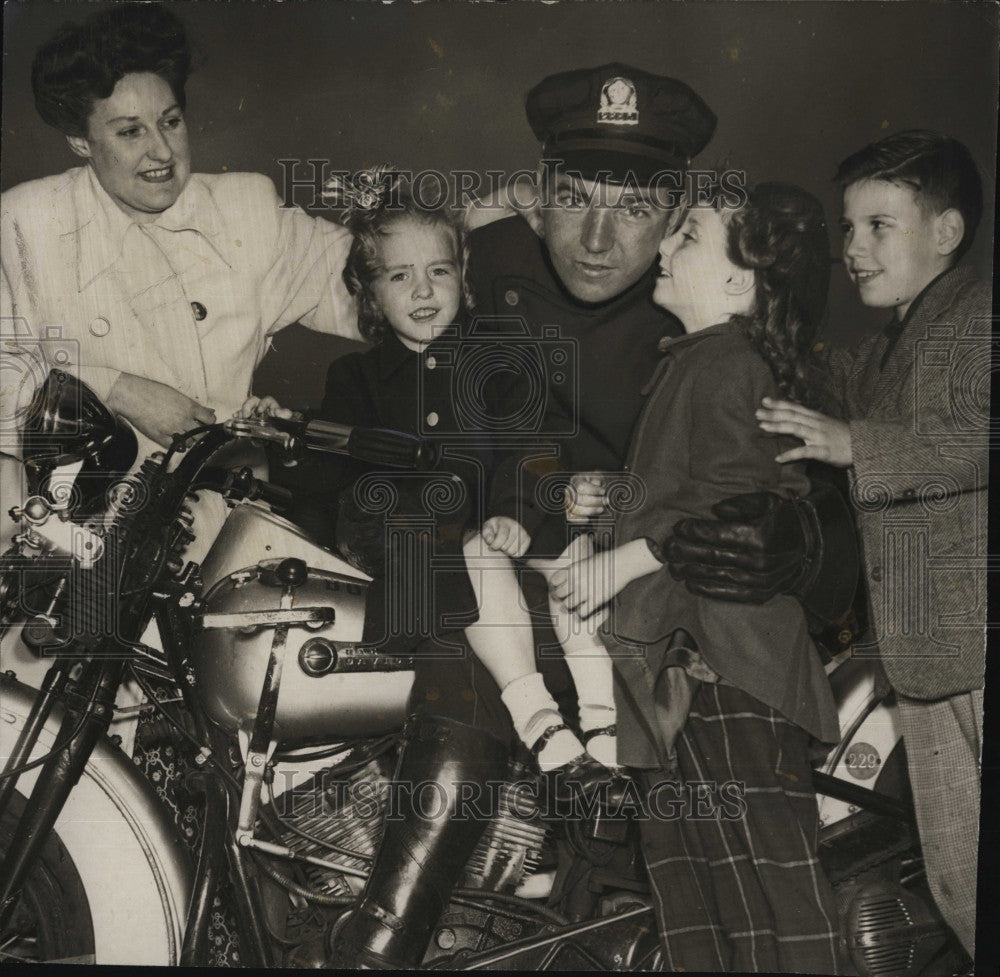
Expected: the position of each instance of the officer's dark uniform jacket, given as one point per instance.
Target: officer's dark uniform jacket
(590, 417)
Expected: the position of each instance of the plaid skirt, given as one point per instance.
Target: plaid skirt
(737, 883)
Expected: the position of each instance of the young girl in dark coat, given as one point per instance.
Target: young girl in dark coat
(730, 696)
(406, 269)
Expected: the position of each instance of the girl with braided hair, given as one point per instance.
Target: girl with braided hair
(729, 700)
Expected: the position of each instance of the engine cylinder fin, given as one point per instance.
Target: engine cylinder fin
(338, 813)
(511, 848)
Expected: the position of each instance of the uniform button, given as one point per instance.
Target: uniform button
(511, 297)
(431, 362)
(199, 310)
(432, 419)
(876, 574)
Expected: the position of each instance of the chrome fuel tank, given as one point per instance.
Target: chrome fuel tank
(253, 533)
(331, 688)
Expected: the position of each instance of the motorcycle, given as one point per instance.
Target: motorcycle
(292, 728)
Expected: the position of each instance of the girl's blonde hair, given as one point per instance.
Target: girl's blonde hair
(371, 203)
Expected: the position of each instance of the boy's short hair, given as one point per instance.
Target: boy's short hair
(940, 171)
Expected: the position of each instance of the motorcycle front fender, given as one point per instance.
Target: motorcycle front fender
(135, 869)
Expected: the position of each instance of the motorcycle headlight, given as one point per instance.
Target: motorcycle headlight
(66, 423)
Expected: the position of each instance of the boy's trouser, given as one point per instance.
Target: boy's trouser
(943, 741)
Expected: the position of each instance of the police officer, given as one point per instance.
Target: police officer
(581, 253)
(582, 256)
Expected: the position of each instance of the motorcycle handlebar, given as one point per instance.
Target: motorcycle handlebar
(377, 446)
(381, 447)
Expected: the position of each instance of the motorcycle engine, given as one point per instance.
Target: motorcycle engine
(511, 847)
(340, 819)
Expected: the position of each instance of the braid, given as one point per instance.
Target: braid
(781, 235)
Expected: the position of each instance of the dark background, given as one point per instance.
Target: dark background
(796, 87)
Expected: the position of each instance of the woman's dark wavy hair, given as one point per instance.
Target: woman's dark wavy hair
(781, 234)
(82, 63)
(370, 215)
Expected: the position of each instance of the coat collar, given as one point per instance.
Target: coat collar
(392, 354)
(930, 306)
(670, 344)
(938, 296)
(100, 228)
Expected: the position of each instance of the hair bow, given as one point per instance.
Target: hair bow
(363, 195)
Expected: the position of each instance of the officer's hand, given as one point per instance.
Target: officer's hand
(758, 546)
(505, 535)
(155, 409)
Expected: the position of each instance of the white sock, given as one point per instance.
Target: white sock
(593, 676)
(533, 711)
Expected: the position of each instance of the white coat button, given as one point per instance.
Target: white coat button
(431, 362)
(511, 297)
(100, 327)
(432, 419)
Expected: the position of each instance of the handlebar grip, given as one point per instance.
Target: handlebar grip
(382, 447)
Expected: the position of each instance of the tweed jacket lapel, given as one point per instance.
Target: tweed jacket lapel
(895, 377)
(881, 382)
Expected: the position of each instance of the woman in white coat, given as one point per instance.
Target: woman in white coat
(160, 288)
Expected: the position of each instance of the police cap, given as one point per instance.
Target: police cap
(618, 121)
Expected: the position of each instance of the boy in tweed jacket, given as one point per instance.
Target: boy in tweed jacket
(915, 403)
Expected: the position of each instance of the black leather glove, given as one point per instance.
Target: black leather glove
(759, 545)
